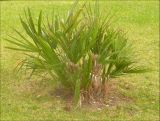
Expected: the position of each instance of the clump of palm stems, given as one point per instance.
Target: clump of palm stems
(81, 50)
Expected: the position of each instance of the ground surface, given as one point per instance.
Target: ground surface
(32, 99)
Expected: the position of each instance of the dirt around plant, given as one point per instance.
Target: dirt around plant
(112, 98)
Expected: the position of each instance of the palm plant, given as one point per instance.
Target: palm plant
(82, 50)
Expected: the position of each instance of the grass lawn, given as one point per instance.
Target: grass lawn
(31, 99)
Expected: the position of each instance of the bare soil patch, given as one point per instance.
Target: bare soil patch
(40, 88)
(112, 98)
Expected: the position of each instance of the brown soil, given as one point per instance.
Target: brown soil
(112, 98)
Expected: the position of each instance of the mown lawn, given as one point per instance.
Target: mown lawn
(31, 99)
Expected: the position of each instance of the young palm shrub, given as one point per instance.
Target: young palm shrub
(82, 50)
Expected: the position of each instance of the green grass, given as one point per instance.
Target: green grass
(30, 99)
